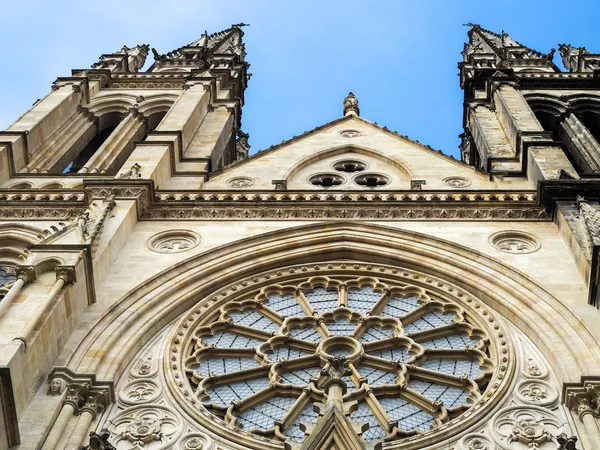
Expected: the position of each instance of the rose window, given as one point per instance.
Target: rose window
(407, 360)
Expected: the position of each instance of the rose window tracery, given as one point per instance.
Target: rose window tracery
(413, 361)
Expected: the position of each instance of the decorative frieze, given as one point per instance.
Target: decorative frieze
(281, 204)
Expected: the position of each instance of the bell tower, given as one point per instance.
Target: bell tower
(180, 118)
(524, 117)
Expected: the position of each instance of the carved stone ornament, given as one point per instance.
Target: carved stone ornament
(240, 182)
(350, 133)
(536, 392)
(534, 369)
(476, 442)
(144, 369)
(527, 427)
(457, 182)
(516, 242)
(591, 219)
(173, 241)
(196, 441)
(138, 392)
(150, 427)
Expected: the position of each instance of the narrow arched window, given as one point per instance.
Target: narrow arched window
(592, 122)
(106, 125)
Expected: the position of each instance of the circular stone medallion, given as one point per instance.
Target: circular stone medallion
(350, 133)
(457, 182)
(517, 242)
(173, 241)
(240, 182)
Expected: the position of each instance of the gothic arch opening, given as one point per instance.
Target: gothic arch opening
(106, 125)
(591, 120)
(155, 119)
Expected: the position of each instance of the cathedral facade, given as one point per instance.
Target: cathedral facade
(346, 289)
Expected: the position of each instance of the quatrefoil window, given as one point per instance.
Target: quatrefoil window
(413, 361)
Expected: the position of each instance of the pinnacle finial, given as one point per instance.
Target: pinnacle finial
(351, 105)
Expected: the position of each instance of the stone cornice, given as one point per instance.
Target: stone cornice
(278, 205)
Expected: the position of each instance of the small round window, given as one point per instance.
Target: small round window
(372, 180)
(349, 166)
(326, 180)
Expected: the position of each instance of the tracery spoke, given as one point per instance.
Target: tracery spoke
(223, 394)
(253, 319)
(298, 372)
(234, 337)
(304, 412)
(263, 415)
(451, 337)
(428, 320)
(369, 410)
(376, 376)
(406, 415)
(470, 363)
(450, 396)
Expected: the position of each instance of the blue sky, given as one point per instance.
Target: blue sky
(398, 57)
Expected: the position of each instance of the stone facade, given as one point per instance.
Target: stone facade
(349, 288)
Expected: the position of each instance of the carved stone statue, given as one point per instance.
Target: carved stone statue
(56, 387)
(99, 441)
(351, 105)
(567, 443)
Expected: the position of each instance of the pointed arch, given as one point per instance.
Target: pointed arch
(113, 340)
(403, 167)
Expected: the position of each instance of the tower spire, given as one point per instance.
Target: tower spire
(489, 50)
(201, 53)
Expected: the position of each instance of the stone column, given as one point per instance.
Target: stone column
(80, 431)
(59, 427)
(83, 400)
(583, 403)
(64, 275)
(580, 143)
(115, 148)
(25, 274)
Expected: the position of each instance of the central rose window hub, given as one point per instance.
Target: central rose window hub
(340, 346)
